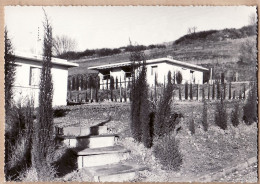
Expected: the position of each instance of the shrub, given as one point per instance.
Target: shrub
(186, 91)
(192, 126)
(205, 116)
(208, 91)
(163, 111)
(180, 93)
(166, 150)
(213, 91)
(235, 115)
(229, 91)
(191, 91)
(112, 87)
(250, 108)
(218, 90)
(221, 115)
(178, 77)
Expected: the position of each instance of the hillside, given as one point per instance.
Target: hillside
(221, 53)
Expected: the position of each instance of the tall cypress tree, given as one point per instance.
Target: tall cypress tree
(43, 140)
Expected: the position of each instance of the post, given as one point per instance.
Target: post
(125, 89)
(197, 92)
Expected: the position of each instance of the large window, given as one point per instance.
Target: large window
(34, 76)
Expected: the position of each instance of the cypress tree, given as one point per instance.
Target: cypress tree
(162, 123)
(229, 91)
(218, 90)
(111, 87)
(186, 90)
(250, 108)
(43, 141)
(213, 91)
(191, 91)
(208, 91)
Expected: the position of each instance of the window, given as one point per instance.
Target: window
(153, 70)
(34, 76)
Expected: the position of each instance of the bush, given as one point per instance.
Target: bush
(166, 150)
(178, 77)
(18, 140)
(186, 91)
(205, 116)
(229, 91)
(192, 126)
(235, 115)
(162, 118)
(250, 108)
(221, 115)
(190, 91)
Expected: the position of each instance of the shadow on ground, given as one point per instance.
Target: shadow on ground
(67, 163)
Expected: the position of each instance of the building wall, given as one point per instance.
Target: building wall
(25, 89)
(164, 68)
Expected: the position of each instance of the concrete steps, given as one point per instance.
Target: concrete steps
(120, 172)
(97, 153)
(101, 156)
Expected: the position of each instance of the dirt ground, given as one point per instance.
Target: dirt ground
(203, 152)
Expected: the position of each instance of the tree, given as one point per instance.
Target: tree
(43, 141)
(178, 77)
(250, 108)
(248, 52)
(63, 44)
(112, 86)
(192, 30)
(162, 123)
(137, 91)
(221, 114)
(235, 115)
(9, 71)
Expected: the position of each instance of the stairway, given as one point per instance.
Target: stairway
(98, 154)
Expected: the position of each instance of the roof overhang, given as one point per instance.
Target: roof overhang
(152, 61)
(34, 57)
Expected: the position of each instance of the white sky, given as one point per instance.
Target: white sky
(108, 26)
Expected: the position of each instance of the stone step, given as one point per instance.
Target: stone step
(93, 141)
(84, 131)
(101, 156)
(97, 141)
(120, 172)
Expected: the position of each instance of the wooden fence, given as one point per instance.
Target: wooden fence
(190, 92)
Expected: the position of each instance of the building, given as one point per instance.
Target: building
(27, 78)
(155, 67)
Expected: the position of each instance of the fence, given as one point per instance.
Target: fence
(189, 92)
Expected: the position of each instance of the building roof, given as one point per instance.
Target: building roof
(152, 61)
(35, 57)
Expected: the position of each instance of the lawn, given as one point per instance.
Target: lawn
(203, 152)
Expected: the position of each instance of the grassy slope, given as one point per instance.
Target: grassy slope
(206, 53)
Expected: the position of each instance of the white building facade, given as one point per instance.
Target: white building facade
(156, 67)
(27, 78)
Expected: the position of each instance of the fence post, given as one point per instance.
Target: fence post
(208, 91)
(180, 92)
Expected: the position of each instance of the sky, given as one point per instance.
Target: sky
(111, 26)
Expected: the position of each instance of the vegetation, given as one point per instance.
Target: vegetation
(163, 123)
(235, 115)
(178, 77)
(43, 142)
(215, 35)
(221, 114)
(250, 108)
(205, 116)
(186, 88)
(63, 44)
(167, 151)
